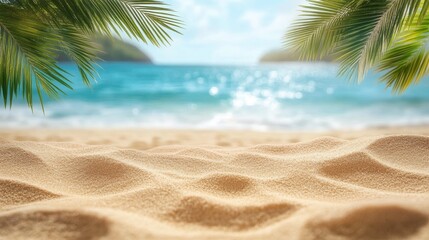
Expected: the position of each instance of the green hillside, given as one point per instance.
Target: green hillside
(285, 56)
(112, 49)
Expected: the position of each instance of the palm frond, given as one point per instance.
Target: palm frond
(386, 24)
(146, 20)
(360, 32)
(28, 50)
(79, 48)
(315, 34)
(407, 61)
(32, 32)
(356, 32)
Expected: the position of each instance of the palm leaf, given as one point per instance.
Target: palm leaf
(146, 20)
(315, 34)
(28, 50)
(32, 32)
(407, 61)
(79, 48)
(356, 32)
(385, 22)
(357, 38)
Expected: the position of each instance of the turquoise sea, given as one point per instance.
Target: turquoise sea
(293, 96)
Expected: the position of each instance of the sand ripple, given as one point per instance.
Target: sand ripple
(373, 222)
(368, 188)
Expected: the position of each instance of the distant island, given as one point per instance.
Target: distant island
(113, 49)
(281, 55)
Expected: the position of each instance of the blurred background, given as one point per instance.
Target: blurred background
(227, 71)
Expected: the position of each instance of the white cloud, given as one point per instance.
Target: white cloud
(227, 31)
(253, 18)
(198, 14)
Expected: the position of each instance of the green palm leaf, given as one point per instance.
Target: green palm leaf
(80, 50)
(32, 32)
(27, 53)
(147, 20)
(357, 32)
(315, 35)
(407, 61)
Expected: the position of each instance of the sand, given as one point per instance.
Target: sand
(160, 184)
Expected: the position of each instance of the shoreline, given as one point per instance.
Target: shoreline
(142, 138)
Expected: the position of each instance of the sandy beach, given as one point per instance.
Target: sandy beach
(204, 120)
(163, 184)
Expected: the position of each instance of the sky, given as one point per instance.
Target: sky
(225, 31)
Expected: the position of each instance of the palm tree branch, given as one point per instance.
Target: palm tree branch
(387, 25)
(28, 54)
(80, 49)
(314, 34)
(33, 31)
(407, 60)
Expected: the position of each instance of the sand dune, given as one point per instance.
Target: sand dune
(326, 188)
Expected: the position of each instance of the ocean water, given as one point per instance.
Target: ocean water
(293, 96)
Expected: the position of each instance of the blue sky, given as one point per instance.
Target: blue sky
(225, 31)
